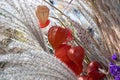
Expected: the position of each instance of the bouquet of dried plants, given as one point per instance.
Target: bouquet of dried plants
(25, 53)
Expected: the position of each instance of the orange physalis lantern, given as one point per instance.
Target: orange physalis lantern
(42, 14)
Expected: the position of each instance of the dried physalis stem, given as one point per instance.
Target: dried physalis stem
(42, 14)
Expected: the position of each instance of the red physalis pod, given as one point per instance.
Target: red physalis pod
(93, 66)
(76, 54)
(57, 35)
(93, 71)
(61, 53)
(77, 70)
